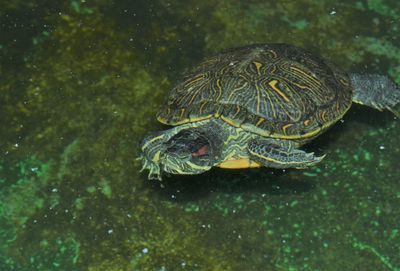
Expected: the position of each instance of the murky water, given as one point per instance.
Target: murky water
(80, 84)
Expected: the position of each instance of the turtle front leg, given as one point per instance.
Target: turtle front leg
(150, 156)
(156, 157)
(151, 151)
(277, 153)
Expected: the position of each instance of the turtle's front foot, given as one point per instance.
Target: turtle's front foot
(152, 167)
(151, 155)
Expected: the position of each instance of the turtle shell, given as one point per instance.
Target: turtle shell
(275, 90)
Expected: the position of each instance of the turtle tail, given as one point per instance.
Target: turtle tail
(376, 91)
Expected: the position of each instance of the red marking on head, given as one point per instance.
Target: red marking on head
(200, 152)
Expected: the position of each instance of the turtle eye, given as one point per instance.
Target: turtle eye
(201, 152)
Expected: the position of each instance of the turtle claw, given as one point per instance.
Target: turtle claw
(154, 169)
(154, 176)
(144, 163)
(144, 166)
(313, 160)
(154, 172)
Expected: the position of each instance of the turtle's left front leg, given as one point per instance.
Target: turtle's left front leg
(279, 153)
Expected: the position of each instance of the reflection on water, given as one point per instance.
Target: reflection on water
(80, 85)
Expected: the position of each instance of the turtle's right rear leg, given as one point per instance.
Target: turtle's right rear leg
(376, 91)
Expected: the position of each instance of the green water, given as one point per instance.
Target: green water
(80, 84)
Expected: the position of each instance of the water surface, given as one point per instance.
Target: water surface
(80, 84)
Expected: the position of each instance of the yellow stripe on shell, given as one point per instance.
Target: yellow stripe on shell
(229, 121)
(232, 92)
(299, 85)
(297, 136)
(285, 127)
(261, 120)
(194, 80)
(311, 77)
(275, 55)
(183, 121)
(258, 98)
(219, 89)
(272, 84)
(323, 116)
(272, 105)
(201, 106)
(344, 82)
(258, 67)
(182, 112)
(237, 111)
(194, 95)
(263, 132)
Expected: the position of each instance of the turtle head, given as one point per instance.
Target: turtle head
(190, 151)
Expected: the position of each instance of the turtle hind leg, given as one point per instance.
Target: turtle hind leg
(376, 91)
(277, 153)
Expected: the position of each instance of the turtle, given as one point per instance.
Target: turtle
(256, 106)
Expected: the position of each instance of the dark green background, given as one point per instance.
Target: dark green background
(80, 83)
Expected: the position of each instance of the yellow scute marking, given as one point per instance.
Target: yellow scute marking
(183, 121)
(219, 89)
(229, 121)
(239, 163)
(261, 120)
(258, 66)
(202, 106)
(272, 84)
(182, 112)
(285, 127)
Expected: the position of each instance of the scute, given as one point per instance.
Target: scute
(275, 90)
